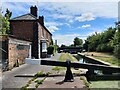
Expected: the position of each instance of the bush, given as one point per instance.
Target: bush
(50, 50)
(117, 51)
(104, 48)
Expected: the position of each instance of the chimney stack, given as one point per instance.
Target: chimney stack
(33, 10)
(41, 20)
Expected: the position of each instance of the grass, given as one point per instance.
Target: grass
(57, 68)
(64, 57)
(38, 74)
(107, 57)
(105, 84)
(111, 60)
(85, 81)
(38, 82)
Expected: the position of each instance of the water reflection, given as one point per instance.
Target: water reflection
(85, 60)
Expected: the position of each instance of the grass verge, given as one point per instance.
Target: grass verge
(107, 57)
(64, 57)
(113, 60)
(105, 84)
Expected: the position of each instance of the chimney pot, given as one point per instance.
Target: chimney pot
(41, 20)
(33, 10)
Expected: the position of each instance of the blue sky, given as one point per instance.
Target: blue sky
(67, 20)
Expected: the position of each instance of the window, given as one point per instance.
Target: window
(22, 47)
(44, 47)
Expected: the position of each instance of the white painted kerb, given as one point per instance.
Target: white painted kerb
(33, 61)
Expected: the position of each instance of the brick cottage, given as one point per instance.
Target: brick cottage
(28, 38)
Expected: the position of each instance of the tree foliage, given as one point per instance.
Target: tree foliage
(107, 41)
(50, 49)
(63, 46)
(77, 41)
(5, 24)
(116, 43)
(100, 41)
(51, 43)
(8, 14)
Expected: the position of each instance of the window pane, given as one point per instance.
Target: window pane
(44, 47)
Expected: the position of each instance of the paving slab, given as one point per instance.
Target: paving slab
(10, 81)
(58, 82)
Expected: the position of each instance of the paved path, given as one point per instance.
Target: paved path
(57, 82)
(10, 81)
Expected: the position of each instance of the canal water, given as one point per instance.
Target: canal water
(84, 60)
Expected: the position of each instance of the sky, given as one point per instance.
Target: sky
(71, 18)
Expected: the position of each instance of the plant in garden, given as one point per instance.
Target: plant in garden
(50, 49)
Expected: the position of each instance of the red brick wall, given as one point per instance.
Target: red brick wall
(22, 29)
(39, 31)
(46, 35)
(16, 54)
(12, 56)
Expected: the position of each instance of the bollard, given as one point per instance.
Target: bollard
(68, 75)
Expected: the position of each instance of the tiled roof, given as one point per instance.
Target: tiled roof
(25, 17)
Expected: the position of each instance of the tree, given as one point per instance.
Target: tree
(63, 46)
(116, 43)
(77, 41)
(5, 27)
(72, 45)
(51, 43)
(101, 41)
(85, 45)
(1, 23)
(8, 14)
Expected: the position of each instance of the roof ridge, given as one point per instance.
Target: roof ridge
(33, 16)
(24, 15)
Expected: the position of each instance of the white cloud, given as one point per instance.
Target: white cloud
(61, 16)
(85, 17)
(66, 17)
(86, 26)
(98, 9)
(52, 24)
(52, 28)
(67, 24)
(60, 0)
(66, 39)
